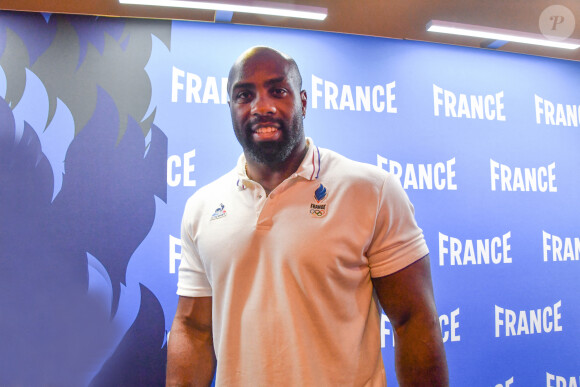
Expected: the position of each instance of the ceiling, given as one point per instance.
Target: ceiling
(400, 19)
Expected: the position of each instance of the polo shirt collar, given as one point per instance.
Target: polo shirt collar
(310, 166)
(308, 169)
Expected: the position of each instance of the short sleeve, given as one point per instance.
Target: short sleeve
(397, 240)
(192, 277)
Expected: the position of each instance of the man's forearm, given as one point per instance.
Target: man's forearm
(419, 354)
(190, 357)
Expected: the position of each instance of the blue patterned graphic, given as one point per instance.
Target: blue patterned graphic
(77, 198)
(320, 193)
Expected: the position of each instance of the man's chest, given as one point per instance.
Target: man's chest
(314, 227)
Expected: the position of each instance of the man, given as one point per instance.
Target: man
(281, 255)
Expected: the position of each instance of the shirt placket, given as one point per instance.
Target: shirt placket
(265, 205)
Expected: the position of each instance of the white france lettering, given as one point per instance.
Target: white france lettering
(549, 111)
(560, 118)
(449, 325)
(385, 331)
(551, 178)
(547, 325)
(508, 383)
(573, 115)
(175, 84)
(527, 322)
(549, 379)
(378, 104)
(316, 93)
(224, 92)
(505, 177)
(556, 114)
(489, 113)
(538, 102)
(346, 99)
(545, 244)
(540, 179)
(377, 98)
(468, 252)
(562, 381)
(450, 101)
(449, 328)
(477, 106)
(560, 249)
(174, 255)
(425, 173)
(422, 176)
(557, 317)
(391, 97)
(455, 251)
(192, 88)
(499, 106)
(442, 248)
(489, 107)
(463, 109)
(363, 98)
(331, 93)
(498, 319)
(494, 175)
(437, 101)
(210, 92)
(174, 163)
(510, 322)
(410, 177)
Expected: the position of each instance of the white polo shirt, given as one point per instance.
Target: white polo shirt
(290, 273)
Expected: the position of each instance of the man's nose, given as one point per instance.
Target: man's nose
(263, 104)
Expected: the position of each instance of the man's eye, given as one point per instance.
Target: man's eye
(280, 92)
(243, 95)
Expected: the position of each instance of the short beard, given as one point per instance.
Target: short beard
(273, 153)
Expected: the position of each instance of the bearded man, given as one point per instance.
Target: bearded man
(284, 257)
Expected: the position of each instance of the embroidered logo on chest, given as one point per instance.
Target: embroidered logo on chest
(319, 209)
(219, 212)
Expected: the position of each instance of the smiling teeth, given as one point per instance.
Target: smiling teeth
(268, 129)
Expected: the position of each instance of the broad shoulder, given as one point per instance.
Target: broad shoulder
(336, 166)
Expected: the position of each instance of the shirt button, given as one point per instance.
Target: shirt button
(259, 196)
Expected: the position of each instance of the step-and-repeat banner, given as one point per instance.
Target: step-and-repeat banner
(107, 126)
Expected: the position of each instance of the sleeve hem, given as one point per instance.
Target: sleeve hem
(194, 293)
(394, 266)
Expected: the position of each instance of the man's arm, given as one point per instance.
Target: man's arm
(190, 354)
(407, 298)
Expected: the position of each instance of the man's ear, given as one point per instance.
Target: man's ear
(304, 100)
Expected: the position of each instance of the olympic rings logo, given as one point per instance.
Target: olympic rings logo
(317, 212)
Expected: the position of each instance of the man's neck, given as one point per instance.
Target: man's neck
(270, 176)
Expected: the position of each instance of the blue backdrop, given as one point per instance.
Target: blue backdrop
(109, 125)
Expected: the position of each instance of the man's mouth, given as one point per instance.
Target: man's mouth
(266, 133)
(266, 129)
